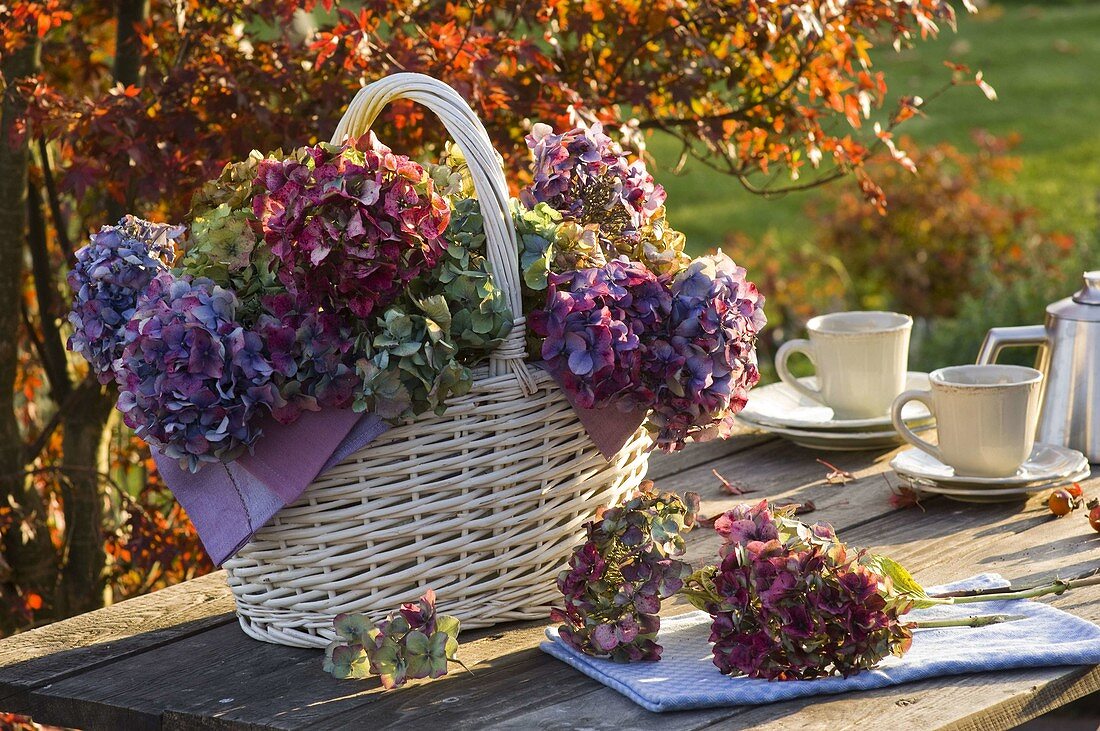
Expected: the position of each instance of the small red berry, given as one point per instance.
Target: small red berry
(1060, 503)
(1094, 514)
(1075, 490)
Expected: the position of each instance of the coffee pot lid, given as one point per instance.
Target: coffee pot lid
(1084, 304)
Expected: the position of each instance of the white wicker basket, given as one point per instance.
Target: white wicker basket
(482, 504)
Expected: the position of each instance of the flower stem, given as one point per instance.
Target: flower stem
(1058, 586)
(974, 621)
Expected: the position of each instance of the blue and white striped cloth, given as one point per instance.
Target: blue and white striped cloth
(685, 677)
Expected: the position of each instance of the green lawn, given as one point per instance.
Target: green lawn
(1044, 61)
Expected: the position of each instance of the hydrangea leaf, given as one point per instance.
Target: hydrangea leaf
(902, 582)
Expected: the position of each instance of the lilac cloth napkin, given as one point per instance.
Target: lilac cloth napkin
(228, 503)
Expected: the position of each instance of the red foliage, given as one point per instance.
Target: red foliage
(746, 86)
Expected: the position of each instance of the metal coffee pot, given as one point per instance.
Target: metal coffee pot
(1069, 357)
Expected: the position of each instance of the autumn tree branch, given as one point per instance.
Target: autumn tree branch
(61, 226)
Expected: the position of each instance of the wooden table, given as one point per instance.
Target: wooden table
(177, 659)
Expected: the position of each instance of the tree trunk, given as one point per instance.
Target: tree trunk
(128, 72)
(84, 460)
(32, 560)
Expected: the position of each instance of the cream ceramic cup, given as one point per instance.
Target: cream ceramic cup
(985, 417)
(860, 359)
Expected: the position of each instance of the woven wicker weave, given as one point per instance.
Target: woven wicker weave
(482, 504)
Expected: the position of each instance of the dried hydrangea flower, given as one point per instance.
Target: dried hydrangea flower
(413, 643)
(352, 225)
(595, 325)
(225, 241)
(585, 177)
(409, 362)
(584, 174)
(616, 580)
(192, 381)
(789, 602)
(658, 245)
(420, 350)
(312, 355)
(110, 274)
(702, 369)
(234, 187)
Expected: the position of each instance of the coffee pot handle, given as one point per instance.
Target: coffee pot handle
(1000, 338)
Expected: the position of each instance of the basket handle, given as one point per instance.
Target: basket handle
(492, 191)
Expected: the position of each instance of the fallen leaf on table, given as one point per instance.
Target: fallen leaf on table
(903, 496)
(801, 508)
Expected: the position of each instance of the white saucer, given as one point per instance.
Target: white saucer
(841, 441)
(1047, 462)
(995, 494)
(780, 405)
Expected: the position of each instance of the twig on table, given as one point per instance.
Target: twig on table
(1000, 589)
(731, 488)
(837, 476)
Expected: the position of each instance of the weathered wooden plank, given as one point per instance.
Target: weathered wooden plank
(230, 679)
(662, 464)
(41, 656)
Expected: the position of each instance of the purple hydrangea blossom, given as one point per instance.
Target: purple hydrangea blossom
(192, 381)
(111, 272)
(787, 606)
(595, 324)
(312, 356)
(744, 524)
(571, 166)
(701, 372)
(352, 225)
(618, 334)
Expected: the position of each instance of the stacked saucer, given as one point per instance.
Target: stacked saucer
(781, 410)
(1048, 467)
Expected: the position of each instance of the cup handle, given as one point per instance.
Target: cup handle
(786, 350)
(925, 397)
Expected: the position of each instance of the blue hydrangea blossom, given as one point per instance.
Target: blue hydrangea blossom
(193, 382)
(110, 274)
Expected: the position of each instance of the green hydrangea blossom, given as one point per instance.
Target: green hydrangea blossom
(223, 244)
(424, 346)
(415, 642)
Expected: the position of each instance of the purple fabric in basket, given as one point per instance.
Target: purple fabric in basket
(228, 503)
(609, 427)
